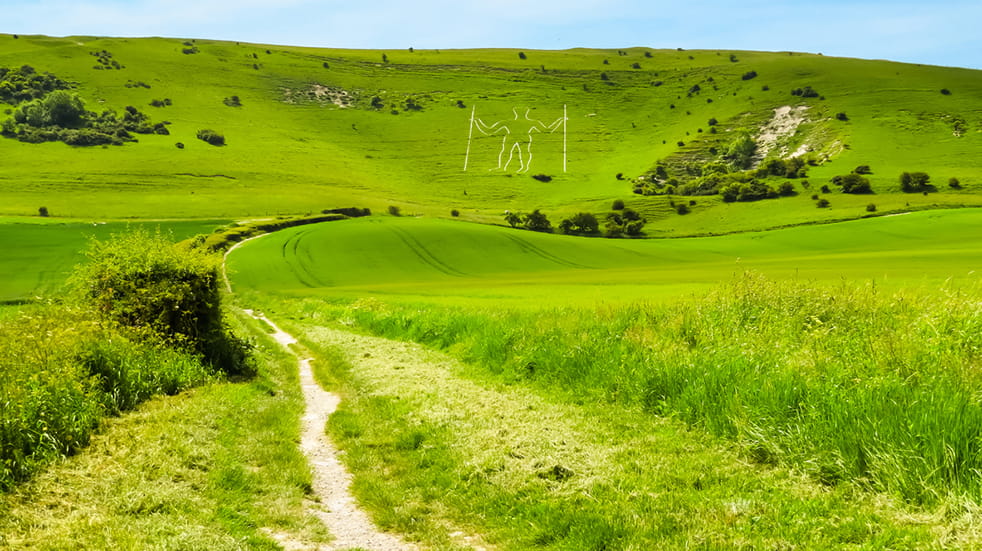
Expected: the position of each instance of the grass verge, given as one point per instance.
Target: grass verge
(216, 467)
(437, 453)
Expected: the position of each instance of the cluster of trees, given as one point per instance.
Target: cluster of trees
(61, 116)
(805, 92)
(25, 84)
(619, 222)
(211, 137)
(854, 182)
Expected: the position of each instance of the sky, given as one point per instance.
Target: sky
(943, 32)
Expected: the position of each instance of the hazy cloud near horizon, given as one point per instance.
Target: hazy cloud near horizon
(942, 33)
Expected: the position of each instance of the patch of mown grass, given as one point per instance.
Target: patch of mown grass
(842, 382)
(216, 467)
(439, 450)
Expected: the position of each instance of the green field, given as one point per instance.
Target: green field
(38, 254)
(744, 375)
(452, 262)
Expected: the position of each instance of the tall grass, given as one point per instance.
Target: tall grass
(61, 371)
(147, 320)
(843, 382)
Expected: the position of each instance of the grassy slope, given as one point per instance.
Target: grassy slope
(297, 158)
(438, 260)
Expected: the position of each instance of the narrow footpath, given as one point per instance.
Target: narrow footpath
(337, 509)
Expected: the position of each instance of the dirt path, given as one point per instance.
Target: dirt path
(348, 524)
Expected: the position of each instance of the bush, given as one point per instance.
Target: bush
(682, 208)
(581, 222)
(841, 116)
(822, 203)
(163, 292)
(749, 75)
(953, 183)
(212, 137)
(232, 101)
(853, 183)
(871, 207)
(43, 212)
(536, 221)
(521, 55)
(863, 169)
(618, 204)
(455, 213)
(542, 177)
(394, 210)
(914, 182)
(946, 91)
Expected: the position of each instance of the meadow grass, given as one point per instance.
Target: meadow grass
(443, 449)
(215, 467)
(842, 382)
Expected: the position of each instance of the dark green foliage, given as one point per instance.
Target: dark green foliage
(521, 55)
(189, 51)
(786, 189)
(841, 116)
(394, 210)
(603, 76)
(863, 169)
(106, 61)
(822, 203)
(733, 58)
(536, 221)
(871, 207)
(512, 218)
(953, 183)
(741, 151)
(805, 92)
(753, 190)
(915, 182)
(25, 84)
(454, 212)
(161, 102)
(412, 104)
(581, 222)
(377, 102)
(211, 137)
(713, 122)
(826, 189)
(61, 116)
(618, 204)
(682, 208)
(635, 65)
(749, 75)
(43, 212)
(542, 177)
(853, 183)
(946, 91)
(232, 101)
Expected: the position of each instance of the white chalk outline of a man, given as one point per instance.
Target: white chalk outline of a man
(514, 139)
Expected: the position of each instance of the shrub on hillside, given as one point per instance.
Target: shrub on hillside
(953, 183)
(581, 222)
(853, 183)
(618, 204)
(749, 75)
(542, 177)
(915, 182)
(211, 137)
(822, 203)
(394, 210)
(871, 207)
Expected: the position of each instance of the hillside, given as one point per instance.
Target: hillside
(308, 129)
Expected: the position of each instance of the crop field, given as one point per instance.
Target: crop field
(452, 262)
(768, 338)
(39, 254)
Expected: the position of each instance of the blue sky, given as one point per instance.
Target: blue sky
(940, 33)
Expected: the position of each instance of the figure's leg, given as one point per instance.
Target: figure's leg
(528, 158)
(511, 155)
(501, 153)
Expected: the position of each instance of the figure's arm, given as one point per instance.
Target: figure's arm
(487, 129)
(554, 126)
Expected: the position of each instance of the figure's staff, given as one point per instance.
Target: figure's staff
(470, 134)
(564, 136)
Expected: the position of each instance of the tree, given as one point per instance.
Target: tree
(521, 55)
(953, 183)
(536, 221)
(741, 151)
(913, 182)
(513, 219)
(212, 137)
(43, 212)
(584, 222)
(395, 210)
(853, 183)
(618, 204)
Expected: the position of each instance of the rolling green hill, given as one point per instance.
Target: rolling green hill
(306, 135)
(443, 261)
